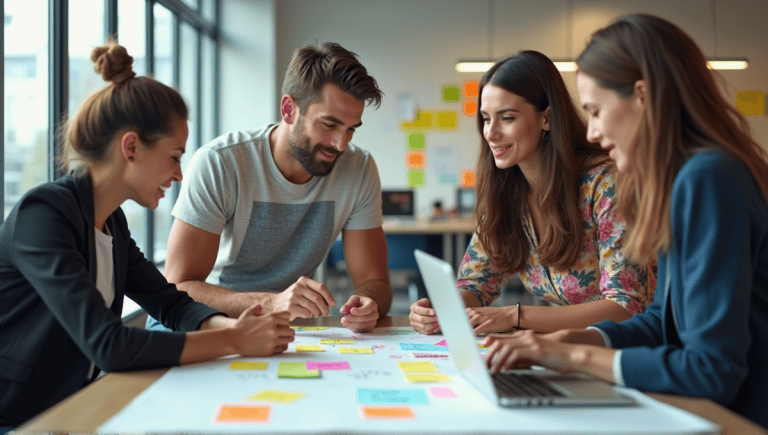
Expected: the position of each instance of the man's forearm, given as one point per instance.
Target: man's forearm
(380, 291)
(230, 302)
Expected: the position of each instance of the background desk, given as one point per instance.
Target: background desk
(450, 229)
(86, 410)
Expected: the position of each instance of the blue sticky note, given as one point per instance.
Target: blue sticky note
(421, 347)
(381, 396)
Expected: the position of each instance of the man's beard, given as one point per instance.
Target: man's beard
(305, 154)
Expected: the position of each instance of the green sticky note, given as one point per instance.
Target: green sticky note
(415, 178)
(247, 365)
(451, 93)
(296, 370)
(416, 141)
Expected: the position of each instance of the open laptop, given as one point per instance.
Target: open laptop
(513, 388)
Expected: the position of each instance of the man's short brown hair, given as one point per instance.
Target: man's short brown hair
(312, 67)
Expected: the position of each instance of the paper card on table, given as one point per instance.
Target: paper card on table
(396, 396)
(328, 365)
(336, 341)
(387, 412)
(399, 331)
(276, 396)
(417, 367)
(309, 348)
(439, 377)
(442, 392)
(430, 355)
(441, 343)
(248, 365)
(421, 347)
(237, 413)
(309, 328)
(355, 350)
(295, 370)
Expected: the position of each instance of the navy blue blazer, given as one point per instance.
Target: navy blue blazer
(53, 320)
(706, 333)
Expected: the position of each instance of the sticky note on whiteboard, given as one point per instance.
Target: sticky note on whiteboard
(751, 103)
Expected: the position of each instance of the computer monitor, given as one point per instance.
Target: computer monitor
(397, 203)
(466, 197)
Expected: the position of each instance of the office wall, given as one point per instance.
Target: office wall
(410, 47)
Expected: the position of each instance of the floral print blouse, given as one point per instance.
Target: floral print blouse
(600, 272)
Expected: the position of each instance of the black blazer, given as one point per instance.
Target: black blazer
(53, 320)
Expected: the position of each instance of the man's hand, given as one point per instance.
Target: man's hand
(360, 313)
(423, 318)
(305, 298)
(492, 319)
(262, 335)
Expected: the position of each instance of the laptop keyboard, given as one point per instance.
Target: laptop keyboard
(519, 385)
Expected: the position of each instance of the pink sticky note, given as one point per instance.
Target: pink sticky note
(442, 392)
(325, 365)
(441, 343)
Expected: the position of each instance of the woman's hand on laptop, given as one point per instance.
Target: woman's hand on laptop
(423, 318)
(492, 319)
(526, 348)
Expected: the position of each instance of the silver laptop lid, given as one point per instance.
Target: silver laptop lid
(451, 313)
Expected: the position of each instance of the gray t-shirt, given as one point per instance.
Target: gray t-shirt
(273, 231)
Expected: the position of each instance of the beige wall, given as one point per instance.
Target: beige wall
(410, 46)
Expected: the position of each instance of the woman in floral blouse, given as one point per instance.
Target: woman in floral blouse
(545, 211)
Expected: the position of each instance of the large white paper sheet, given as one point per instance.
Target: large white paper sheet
(187, 399)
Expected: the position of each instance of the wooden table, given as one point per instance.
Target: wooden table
(91, 407)
(449, 228)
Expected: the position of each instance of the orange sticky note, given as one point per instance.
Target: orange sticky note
(387, 412)
(243, 413)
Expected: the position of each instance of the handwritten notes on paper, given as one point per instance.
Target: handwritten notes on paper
(328, 365)
(336, 341)
(296, 370)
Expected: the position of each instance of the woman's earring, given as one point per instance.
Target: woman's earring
(546, 134)
(130, 158)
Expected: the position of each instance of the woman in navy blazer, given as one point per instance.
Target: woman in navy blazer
(693, 186)
(67, 257)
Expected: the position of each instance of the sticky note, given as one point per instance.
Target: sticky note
(421, 347)
(415, 178)
(355, 350)
(470, 108)
(327, 365)
(295, 370)
(309, 328)
(441, 343)
(387, 412)
(309, 348)
(447, 120)
(276, 396)
(397, 396)
(399, 331)
(751, 103)
(246, 365)
(242, 413)
(415, 159)
(416, 141)
(442, 392)
(471, 89)
(439, 377)
(336, 341)
(424, 120)
(451, 93)
(417, 367)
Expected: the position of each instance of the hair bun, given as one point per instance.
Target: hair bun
(113, 62)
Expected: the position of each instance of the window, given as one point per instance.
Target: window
(178, 33)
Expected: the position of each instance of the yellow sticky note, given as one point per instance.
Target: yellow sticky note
(336, 341)
(309, 348)
(447, 120)
(247, 365)
(355, 350)
(276, 396)
(417, 367)
(751, 103)
(424, 120)
(309, 328)
(243, 414)
(428, 378)
(387, 412)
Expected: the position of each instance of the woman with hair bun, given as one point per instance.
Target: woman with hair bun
(67, 258)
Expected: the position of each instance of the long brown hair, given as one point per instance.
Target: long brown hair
(141, 104)
(684, 113)
(502, 193)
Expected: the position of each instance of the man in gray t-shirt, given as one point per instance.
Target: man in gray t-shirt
(259, 210)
